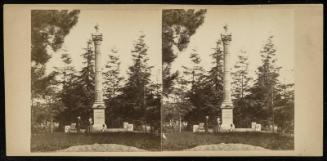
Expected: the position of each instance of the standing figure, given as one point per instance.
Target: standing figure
(51, 126)
(89, 125)
(78, 124)
(218, 124)
(207, 124)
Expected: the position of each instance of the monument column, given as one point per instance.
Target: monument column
(98, 106)
(227, 105)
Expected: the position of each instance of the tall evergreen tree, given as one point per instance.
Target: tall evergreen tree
(112, 78)
(79, 94)
(112, 88)
(48, 30)
(264, 89)
(284, 108)
(67, 72)
(241, 86)
(195, 72)
(179, 104)
(199, 93)
(215, 74)
(153, 106)
(241, 77)
(178, 25)
(135, 90)
(67, 76)
(87, 75)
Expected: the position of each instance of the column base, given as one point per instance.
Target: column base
(227, 127)
(99, 127)
(227, 117)
(99, 117)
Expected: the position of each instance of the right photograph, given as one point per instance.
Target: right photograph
(228, 79)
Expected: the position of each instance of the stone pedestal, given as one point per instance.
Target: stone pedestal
(227, 118)
(98, 106)
(227, 105)
(99, 119)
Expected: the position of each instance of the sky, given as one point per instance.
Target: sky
(120, 29)
(250, 29)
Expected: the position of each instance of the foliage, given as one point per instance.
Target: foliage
(48, 30)
(112, 78)
(78, 93)
(241, 79)
(284, 108)
(180, 103)
(241, 86)
(178, 25)
(264, 88)
(207, 93)
(196, 71)
(140, 100)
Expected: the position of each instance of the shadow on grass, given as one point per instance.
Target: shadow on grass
(186, 140)
(52, 142)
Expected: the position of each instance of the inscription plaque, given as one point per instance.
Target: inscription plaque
(98, 116)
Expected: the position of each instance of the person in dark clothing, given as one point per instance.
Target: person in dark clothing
(89, 125)
(78, 124)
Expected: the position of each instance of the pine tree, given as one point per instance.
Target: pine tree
(196, 102)
(178, 25)
(240, 77)
(153, 106)
(264, 90)
(215, 76)
(195, 72)
(67, 76)
(180, 104)
(48, 30)
(241, 86)
(207, 97)
(79, 94)
(67, 72)
(135, 90)
(87, 75)
(284, 107)
(112, 78)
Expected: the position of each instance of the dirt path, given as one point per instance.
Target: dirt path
(225, 147)
(124, 148)
(102, 148)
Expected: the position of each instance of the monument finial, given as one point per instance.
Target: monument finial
(96, 27)
(226, 28)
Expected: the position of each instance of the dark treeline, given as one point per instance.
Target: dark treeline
(67, 93)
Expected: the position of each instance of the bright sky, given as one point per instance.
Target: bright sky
(120, 29)
(250, 29)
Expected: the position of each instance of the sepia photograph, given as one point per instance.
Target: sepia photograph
(163, 80)
(96, 80)
(228, 79)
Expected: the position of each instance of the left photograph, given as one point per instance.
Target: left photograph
(96, 80)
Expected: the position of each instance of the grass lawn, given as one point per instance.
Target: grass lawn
(186, 140)
(51, 142)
